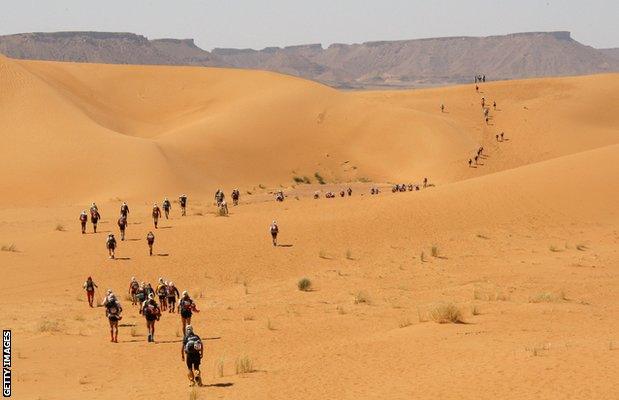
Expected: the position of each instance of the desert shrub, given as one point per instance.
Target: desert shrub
(244, 365)
(219, 368)
(362, 297)
(319, 178)
(548, 297)
(9, 247)
(48, 326)
(349, 255)
(434, 251)
(446, 313)
(304, 284)
(60, 228)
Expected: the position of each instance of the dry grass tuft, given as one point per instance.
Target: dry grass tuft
(434, 251)
(340, 310)
(304, 284)
(79, 318)
(490, 295)
(244, 365)
(422, 257)
(48, 326)
(548, 297)
(9, 247)
(475, 310)
(446, 314)
(581, 247)
(349, 255)
(83, 380)
(537, 350)
(323, 254)
(219, 368)
(362, 297)
(405, 322)
(270, 325)
(60, 228)
(555, 249)
(319, 178)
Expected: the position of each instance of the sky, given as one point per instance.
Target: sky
(262, 23)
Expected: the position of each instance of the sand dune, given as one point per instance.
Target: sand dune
(525, 244)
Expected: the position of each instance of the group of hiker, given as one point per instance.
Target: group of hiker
(142, 294)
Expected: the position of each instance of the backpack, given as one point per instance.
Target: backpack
(83, 217)
(162, 291)
(112, 309)
(193, 345)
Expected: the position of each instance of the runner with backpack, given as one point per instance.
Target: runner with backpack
(141, 294)
(274, 229)
(112, 312)
(192, 353)
(167, 206)
(172, 294)
(134, 287)
(151, 311)
(122, 225)
(162, 292)
(124, 210)
(94, 216)
(150, 239)
(110, 243)
(89, 287)
(186, 307)
(83, 221)
(156, 214)
(236, 194)
(182, 200)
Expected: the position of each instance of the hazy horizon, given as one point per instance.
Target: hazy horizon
(245, 24)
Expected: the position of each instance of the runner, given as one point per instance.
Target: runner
(156, 214)
(219, 197)
(113, 310)
(162, 292)
(110, 243)
(172, 294)
(94, 216)
(89, 286)
(236, 194)
(150, 239)
(425, 182)
(150, 310)
(122, 225)
(349, 192)
(186, 307)
(140, 294)
(470, 162)
(134, 287)
(442, 108)
(274, 229)
(502, 133)
(83, 221)
(124, 210)
(167, 206)
(182, 200)
(223, 208)
(192, 352)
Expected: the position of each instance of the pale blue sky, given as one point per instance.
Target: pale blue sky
(257, 24)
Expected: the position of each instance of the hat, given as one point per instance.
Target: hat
(189, 329)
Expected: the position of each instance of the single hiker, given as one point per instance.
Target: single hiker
(442, 108)
(150, 239)
(151, 311)
(236, 194)
(182, 200)
(349, 192)
(162, 293)
(94, 216)
(470, 162)
(89, 286)
(83, 221)
(274, 229)
(134, 287)
(124, 210)
(110, 243)
(172, 294)
(167, 206)
(425, 182)
(192, 353)
(122, 225)
(156, 214)
(113, 312)
(186, 307)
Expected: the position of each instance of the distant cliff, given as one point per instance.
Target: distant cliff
(404, 63)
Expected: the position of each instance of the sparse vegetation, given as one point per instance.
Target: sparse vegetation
(490, 295)
(363, 179)
(60, 228)
(219, 368)
(261, 186)
(340, 310)
(349, 255)
(244, 365)
(198, 213)
(479, 235)
(362, 298)
(447, 314)
(475, 310)
(555, 249)
(248, 318)
(79, 318)
(270, 325)
(323, 254)
(9, 247)
(48, 326)
(304, 285)
(83, 380)
(422, 316)
(422, 257)
(319, 178)
(537, 349)
(405, 322)
(434, 251)
(548, 297)
(581, 247)
(301, 179)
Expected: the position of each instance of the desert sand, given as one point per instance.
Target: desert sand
(523, 244)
